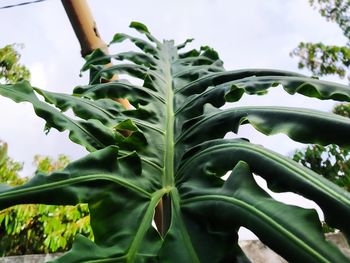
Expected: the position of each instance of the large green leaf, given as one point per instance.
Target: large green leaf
(167, 154)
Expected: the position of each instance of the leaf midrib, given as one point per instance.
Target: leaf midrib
(168, 177)
(76, 180)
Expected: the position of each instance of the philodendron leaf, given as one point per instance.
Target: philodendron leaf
(280, 172)
(163, 159)
(269, 219)
(299, 124)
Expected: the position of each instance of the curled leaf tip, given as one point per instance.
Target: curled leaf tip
(139, 27)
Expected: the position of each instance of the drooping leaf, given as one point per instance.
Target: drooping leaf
(269, 219)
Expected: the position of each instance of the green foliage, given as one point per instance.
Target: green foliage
(3, 153)
(9, 169)
(48, 165)
(11, 71)
(323, 59)
(167, 154)
(41, 229)
(331, 161)
(336, 11)
(33, 229)
(342, 109)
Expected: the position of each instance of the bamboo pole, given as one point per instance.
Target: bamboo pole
(85, 29)
(84, 26)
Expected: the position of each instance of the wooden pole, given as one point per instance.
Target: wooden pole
(85, 29)
(84, 26)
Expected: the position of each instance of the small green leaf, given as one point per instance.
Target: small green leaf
(117, 38)
(139, 27)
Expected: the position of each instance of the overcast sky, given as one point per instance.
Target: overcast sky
(247, 34)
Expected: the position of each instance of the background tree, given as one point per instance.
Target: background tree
(324, 59)
(32, 229)
(11, 70)
(332, 161)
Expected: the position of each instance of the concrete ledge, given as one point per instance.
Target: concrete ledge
(39, 258)
(256, 251)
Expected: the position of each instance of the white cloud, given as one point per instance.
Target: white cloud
(38, 75)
